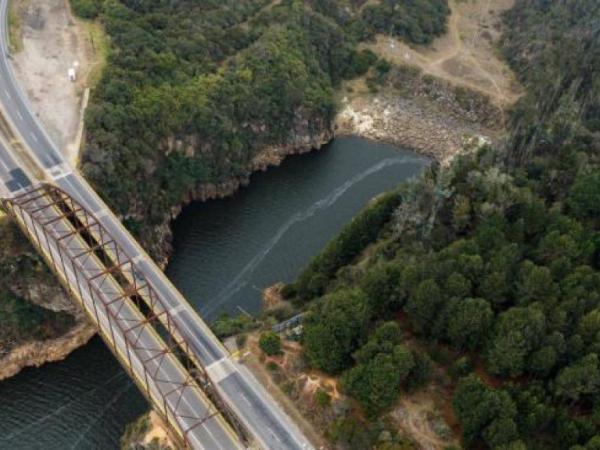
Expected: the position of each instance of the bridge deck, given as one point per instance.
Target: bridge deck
(27, 155)
(150, 360)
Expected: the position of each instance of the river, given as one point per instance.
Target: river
(226, 251)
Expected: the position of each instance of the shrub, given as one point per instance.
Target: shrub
(87, 9)
(322, 398)
(270, 343)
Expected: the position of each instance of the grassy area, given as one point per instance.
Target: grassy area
(15, 28)
(94, 32)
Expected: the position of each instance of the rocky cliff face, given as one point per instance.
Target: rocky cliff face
(148, 432)
(59, 337)
(47, 293)
(419, 112)
(301, 140)
(37, 353)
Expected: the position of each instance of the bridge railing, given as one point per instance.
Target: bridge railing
(100, 276)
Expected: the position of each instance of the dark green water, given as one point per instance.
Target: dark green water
(225, 252)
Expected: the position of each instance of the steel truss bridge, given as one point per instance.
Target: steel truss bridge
(207, 399)
(130, 315)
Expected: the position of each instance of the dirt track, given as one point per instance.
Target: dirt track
(466, 54)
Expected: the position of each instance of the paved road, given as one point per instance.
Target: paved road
(158, 372)
(252, 404)
(12, 176)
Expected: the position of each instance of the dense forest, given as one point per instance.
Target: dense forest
(194, 90)
(488, 268)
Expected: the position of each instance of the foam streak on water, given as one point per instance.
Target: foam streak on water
(265, 233)
(241, 279)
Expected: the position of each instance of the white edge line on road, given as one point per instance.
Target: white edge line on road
(4, 166)
(61, 175)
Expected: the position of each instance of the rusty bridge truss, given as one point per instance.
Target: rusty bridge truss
(129, 313)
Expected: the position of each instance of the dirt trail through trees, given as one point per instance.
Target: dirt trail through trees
(466, 55)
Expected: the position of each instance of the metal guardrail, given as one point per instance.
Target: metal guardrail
(104, 280)
(289, 323)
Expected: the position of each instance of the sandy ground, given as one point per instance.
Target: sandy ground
(51, 42)
(466, 54)
(157, 432)
(419, 416)
(254, 360)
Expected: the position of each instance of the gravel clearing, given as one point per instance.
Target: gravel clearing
(51, 42)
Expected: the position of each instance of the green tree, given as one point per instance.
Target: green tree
(383, 340)
(584, 197)
(579, 379)
(469, 322)
(535, 284)
(377, 382)
(461, 213)
(458, 286)
(589, 326)
(270, 343)
(382, 286)
(494, 287)
(423, 305)
(334, 328)
(517, 332)
(485, 413)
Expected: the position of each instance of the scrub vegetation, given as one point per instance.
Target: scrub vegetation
(491, 263)
(189, 93)
(21, 320)
(194, 90)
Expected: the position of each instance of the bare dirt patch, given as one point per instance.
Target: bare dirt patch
(50, 42)
(287, 374)
(441, 99)
(466, 55)
(420, 416)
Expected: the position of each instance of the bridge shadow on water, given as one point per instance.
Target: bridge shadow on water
(225, 251)
(84, 402)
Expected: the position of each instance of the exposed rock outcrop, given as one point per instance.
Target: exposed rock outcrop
(147, 433)
(36, 353)
(419, 112)
(301, 141)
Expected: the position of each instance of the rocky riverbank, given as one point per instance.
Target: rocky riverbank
(38, 322)
(301, 141)
(37, 353)
(147, 432)
(405, 123)
(406, 108)
(431, 122)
